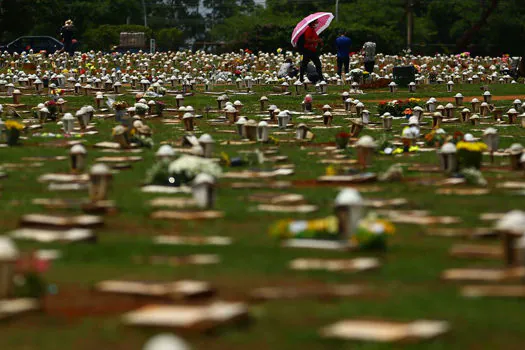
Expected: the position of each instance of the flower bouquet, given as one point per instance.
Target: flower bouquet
(141, 108)
(397, 107)
(470, 154)
(120, 109)
(372, 233)
(341, 140)
(324, 228)
(27, 280)
(13, 129)
(159, 107)
(53, 109)
(435, 139)
(183, 170)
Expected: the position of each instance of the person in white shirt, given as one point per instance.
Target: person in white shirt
(369, 54)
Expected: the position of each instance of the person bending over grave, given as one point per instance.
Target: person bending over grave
(287, 69)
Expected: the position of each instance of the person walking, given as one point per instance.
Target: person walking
(66, 32)
(369, 53)
(311, 41)
(343, 43)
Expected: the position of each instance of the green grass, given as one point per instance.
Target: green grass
(408, 280)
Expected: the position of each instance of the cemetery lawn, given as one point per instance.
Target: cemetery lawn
(406, 287)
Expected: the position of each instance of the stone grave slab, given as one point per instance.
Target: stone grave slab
(50, 235)
(476, 251)
(188, 317)
(165, 189)
(111, 159)
(309, 292)
(385, 331)
(192, 240)
(277, 198)
(335, 265)
(258, 185)
(43, 220)
(187, 215)
(67, 187)
(63, 178)
(288, 208)
(463, 191)
(183, 289)
(323, 244)
(360, 178)
(381, 203)
(14, 307)
(256, 174)
(173, 202)
(195, 259)
(477, 232)
(484, 275)
(484, 291)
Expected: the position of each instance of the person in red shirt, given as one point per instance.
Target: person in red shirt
(311, 41)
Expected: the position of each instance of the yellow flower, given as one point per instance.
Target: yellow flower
(471, 146)
(331, 171)
(11, 124)
(397, 151)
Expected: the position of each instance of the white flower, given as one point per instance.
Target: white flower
(191, 166)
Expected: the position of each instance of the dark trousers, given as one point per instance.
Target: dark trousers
(307, 57)
(369, 66)
(342, 61)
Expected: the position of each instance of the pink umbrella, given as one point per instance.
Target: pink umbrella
(324, 18)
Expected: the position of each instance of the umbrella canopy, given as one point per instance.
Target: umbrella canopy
(324, 18)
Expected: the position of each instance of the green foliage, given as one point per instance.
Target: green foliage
(169, 38)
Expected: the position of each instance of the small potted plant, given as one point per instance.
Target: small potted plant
(120, 108)
(470, 154)
(159, 107)
(341, 140)
(13, 129)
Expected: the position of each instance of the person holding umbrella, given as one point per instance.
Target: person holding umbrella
(310, 53)
(305, 37)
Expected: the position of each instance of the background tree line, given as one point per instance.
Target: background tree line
(483, 27)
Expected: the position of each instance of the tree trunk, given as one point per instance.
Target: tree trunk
(463, 42)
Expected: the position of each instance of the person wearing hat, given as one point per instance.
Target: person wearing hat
(66, 32)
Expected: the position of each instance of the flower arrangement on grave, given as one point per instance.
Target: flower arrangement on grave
(120, 105)
(13, 130)
(57, 92)
(473, 176)
(324, 228)
(470, 154)
(27, 280)
(372, 233)
(181, 171)
(397, 107)
(141, 108)
(250, 159)
(159, 107)
(435, 138)
(53, 108)
(356, 74)
(341, 139)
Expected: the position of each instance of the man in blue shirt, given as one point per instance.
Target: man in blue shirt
(343, 43)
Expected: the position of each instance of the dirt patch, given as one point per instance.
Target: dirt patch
(73, 303)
